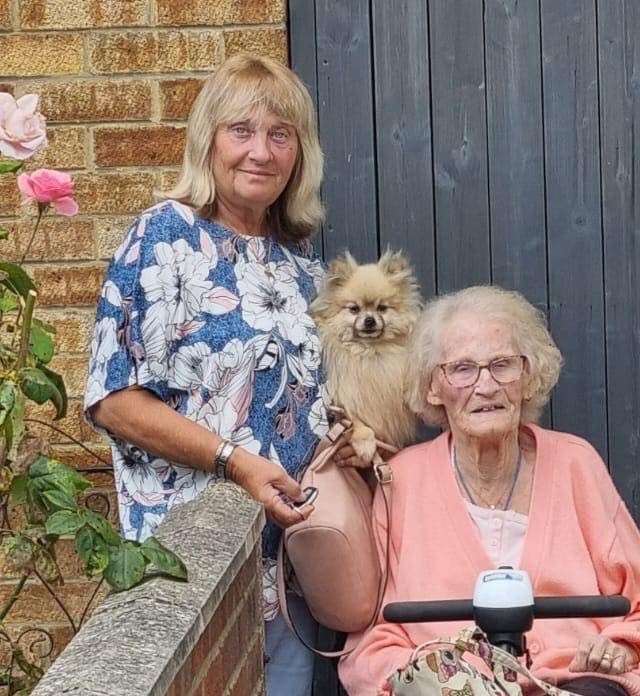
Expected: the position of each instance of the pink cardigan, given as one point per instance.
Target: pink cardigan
(580, 541)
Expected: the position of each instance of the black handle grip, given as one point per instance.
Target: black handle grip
(439, 610)
(544, 608)
(577, 607)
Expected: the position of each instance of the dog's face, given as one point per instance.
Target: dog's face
(368, 303)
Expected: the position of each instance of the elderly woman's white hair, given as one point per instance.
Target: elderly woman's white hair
(242, 85)
(529, 331)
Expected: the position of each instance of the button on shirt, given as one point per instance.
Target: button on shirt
(502, 533)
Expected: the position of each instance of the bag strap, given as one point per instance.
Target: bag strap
(327, 447)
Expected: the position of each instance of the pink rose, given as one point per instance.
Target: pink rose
(47, 186)
(22, 128)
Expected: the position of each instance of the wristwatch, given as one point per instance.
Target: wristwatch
(222, 456)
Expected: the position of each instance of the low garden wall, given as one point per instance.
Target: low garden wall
(203, 637)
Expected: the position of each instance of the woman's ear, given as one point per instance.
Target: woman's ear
(433, 392)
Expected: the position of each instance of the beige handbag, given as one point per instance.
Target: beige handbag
(440, 668)
(333, 553)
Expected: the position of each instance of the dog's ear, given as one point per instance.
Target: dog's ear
(341, 269)
(393, 263)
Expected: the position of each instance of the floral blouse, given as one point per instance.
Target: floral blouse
(215, 324)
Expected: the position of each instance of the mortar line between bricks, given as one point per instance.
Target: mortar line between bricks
(201, 673)
(238, 670)
(137, 28)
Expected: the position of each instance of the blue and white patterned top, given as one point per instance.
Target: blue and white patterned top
(216, 324)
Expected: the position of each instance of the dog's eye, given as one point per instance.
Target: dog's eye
(382, 308)
(354, 309)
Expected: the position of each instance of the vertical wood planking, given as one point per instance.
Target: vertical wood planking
(574, 215)
(403, 133)
(459, 143)
(345, 103)
(619, 51)
(303, 60)
(516, 148)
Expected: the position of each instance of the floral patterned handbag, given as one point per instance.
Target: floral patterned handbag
(440, 667)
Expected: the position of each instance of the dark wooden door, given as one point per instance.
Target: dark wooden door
(496, 141)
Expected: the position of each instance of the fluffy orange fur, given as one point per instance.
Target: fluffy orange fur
(365, 314)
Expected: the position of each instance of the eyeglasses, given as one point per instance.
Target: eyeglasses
(466, 373)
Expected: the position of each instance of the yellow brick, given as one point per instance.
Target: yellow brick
(73, 424)
(177, 97)
(167, 179)
(78, 458)
(57, 238)
(265, 42)
(220, 12)
(81, 14)
(9, 196)
(73, 369)
(114, 194)
(66, 149)
(26, 55)
(5, 16)
(164, 51)
(36, 604)
(138, 146)
(109, 234)
(82, 100)
(59, 286)
(74, 328)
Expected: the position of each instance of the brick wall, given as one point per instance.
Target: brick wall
(164, 638)
(116, 80)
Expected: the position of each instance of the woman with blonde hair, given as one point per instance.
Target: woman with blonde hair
(205, 362)
(496, 489)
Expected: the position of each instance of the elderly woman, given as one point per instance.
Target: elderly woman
(496, 489)
(205, 362)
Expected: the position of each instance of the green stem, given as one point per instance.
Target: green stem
(25, 329)
(14, 596)
(41, 208)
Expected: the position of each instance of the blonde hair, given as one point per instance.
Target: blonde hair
(242, 85)
(529, 331)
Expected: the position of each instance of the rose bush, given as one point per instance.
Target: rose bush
(47, 492)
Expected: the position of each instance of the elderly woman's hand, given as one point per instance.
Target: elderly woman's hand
(599, 654)
(269, 484)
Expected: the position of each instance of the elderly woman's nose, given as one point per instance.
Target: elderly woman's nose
(260, 150)
(486, 381)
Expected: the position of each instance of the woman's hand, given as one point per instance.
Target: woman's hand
(599, 654)
(269, 484)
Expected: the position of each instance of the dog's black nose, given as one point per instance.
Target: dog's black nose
(369, 323)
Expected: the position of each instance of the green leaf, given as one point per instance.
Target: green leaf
(93, 550)
(102, 526)
(46, 565)
(58, 500)
(163, 559)
(17, 279)
(64, 522)
(36, 385)
(14, 425)
(7, 399)
(9, 166)
(40, 342)
(17, 551)
(126, 566)
(8, 302)
(60, 396)
(4, 233)
(18, 491)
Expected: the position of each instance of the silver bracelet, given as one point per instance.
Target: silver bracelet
(222, 456)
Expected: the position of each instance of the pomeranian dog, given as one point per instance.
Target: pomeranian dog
(365, 314)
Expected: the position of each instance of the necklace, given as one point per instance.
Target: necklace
(512, 488)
